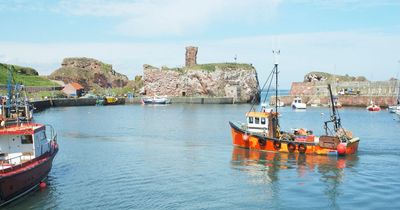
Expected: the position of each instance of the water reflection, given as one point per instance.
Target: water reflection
(278, 169)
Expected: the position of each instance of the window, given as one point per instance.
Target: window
(257, 121)
(263, 120)
(251, 120)
(26, 139)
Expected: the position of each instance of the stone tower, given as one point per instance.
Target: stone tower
(191, 56)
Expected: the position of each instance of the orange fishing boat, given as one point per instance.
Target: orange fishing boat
(262, 132)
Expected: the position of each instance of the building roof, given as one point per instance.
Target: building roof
(76, 85)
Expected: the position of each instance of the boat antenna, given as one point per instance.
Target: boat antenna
(276, 61)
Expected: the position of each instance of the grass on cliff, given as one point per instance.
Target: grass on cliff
(212, 67)
(223, 66)
(25, 78)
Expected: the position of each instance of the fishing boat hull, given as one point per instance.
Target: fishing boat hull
(21, 179)
(299, 106)
(257, 141)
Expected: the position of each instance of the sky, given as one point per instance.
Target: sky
(355, 37)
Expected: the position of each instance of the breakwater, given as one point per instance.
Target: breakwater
(191, 100)
(41, 105)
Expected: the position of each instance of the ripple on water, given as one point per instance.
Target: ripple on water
(177, 157)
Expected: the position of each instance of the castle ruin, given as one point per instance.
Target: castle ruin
(191, 56)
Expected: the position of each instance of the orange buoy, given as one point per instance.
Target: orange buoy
(341, 149)
(42, 185)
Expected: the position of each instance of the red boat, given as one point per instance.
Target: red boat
(373, 107)
(27, 149)
(261, 131)
(26, 156)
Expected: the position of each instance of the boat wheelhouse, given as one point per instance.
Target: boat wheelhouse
(26, 155)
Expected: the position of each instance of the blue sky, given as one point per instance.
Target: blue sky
(355, 37)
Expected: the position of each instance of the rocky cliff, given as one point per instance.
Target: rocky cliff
(89, 73)
(214, 80)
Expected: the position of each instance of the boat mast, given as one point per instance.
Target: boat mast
(9, 93)
(336, 121)
(276, 62)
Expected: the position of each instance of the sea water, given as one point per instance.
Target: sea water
(180, 156)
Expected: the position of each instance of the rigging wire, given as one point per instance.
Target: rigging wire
(269, 86)
(260, 90)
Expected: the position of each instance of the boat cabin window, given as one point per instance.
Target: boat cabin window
(250, 120)
(257, 120)
(263, 120)
(26, 139)
(41, 136)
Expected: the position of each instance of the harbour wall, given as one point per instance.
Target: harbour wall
(41, 105)
(364, 88)
(191, 100)
(353, 93)
(61, 102)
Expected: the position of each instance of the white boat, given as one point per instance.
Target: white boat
(155, 100)
(394, 109)
(397, 112)
(298, 104)
(281, 103)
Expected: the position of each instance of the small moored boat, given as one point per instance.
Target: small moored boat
(373, 107)
(155, 100)
(298, 103)
(111, 100)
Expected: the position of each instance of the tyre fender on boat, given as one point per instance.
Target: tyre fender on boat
(291, 147)
(277, 145)
(302, 148)
(262, 142)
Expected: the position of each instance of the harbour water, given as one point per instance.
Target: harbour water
(180, 156)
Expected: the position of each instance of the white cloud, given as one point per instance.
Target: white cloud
(347, 4)
(170, 17)
(373, 55)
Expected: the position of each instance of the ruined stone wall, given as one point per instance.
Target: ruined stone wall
(191, 56)
(197, 82)
(365, 88)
